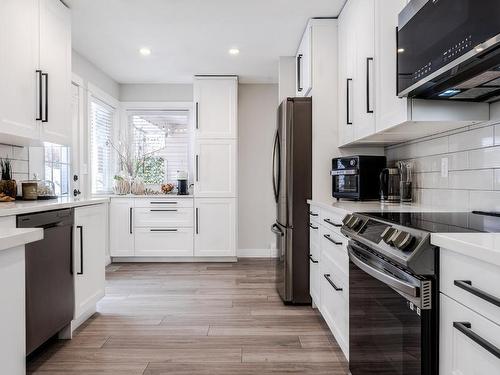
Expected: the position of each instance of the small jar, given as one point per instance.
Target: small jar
(30, 190)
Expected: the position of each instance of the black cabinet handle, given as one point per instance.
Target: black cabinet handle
(467, 286)
(163, 230)
(312, 259)
(329, 238)
(348, 117)
(46, 117)
(465, 328)
(312, 226)
(197, 167)
(172, 210)
(332, 223)
(40, 95)
(71, 252)
(299, 73)
(313, 214)
(327, 277)
(197, 105)
(160, 202)
(81, 250)
(130, 219)
(369, 61)
(197, 222)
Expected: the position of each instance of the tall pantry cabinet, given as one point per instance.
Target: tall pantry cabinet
(35, 71)
(216, 160)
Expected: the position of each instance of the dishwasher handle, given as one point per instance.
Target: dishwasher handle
(80, 228)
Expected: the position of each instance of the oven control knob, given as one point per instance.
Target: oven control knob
(402, 240)
(387, 234)
(355, 223)
(346, 219)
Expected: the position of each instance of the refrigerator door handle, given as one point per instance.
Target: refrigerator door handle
(276, 230)
(276, 162)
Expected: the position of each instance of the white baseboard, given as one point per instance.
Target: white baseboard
(256, 253)
(107, 260)
(173, 259)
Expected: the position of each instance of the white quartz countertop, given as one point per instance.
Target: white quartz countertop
(482, 246)
(26, 207)
(14, 237)
(375, 206)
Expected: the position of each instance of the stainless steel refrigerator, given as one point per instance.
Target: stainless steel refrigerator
(292, 184)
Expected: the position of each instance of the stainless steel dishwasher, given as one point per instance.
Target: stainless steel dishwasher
(50, 297)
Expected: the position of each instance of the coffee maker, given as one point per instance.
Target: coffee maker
(389, 185)
(182, 183)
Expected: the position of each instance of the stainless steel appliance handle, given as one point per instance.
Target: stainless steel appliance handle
(390, 280)
(344, 172)
(276, 178)
(130, 220)
(80, 228)
(197, 162)
(197, 115)
(163, 230)
(276, 230)
(465, 328)
(172, 210)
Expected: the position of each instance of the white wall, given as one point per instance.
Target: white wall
(286, 76)
(156, 92)
(257, 209)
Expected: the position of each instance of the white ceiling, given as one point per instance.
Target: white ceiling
(190, 37)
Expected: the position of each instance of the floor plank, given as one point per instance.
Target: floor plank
(196, 319)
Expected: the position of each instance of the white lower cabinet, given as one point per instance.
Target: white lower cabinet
(90, 242)
(314, 263)
(164, 242)
(121, 227)
(215, 227)
(468, 341)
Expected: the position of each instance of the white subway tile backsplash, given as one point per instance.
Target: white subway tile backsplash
(431, 180)
(431, 147)
(497, 134)
(20, 153)
(5, 151)
(485, 158)
(485, 200)
(472, 180)
(497, 179)
(457, 161)
(468, 140)
(452, 199)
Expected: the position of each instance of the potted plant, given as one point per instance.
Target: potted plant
(8, 186)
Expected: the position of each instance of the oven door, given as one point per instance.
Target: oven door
(388, 334)
(345, 182)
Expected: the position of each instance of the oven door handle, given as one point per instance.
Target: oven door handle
(390, 280)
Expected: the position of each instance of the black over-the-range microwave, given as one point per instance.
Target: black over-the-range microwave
(449, 49)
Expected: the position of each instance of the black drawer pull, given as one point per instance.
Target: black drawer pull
(467, 286)
(173, 210)
(312, 259)
(160, 202)
(327, 277)
(332, 223)
(163, 230)
(313, 214)
(329, 238)
(312, 226)
(465, 328)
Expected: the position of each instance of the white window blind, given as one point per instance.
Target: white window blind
(164, 136)
(101, 131)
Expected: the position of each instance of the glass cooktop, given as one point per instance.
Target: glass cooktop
(443, 222)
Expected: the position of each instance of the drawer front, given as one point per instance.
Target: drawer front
(471, 282)
(314, 240)
(331, 220)
(460, 353)
(314, 282)
(161, 202)
(334, 245)
(164, 242)
(314, 215)
(334, 289)
(163, 217)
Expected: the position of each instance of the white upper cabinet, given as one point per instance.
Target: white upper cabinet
(215, 168)
(18, 65)
(55, 64)
(216, 107)
(215, 227)
(35, 65)
(303, 64)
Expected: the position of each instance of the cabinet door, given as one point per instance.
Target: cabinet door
(469, 343)
(121, 227)
(216, 107)
(55, 62)
(314, 262)
(364, 19)
(164, 241)
(89, 257)
(18, 64)
(303, 64)
(390, 109)
(346, 37)
(215, 168)
(215, 227)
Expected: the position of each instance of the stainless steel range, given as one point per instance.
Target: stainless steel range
(393, 315)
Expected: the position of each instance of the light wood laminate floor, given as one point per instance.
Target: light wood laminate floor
(189, 319)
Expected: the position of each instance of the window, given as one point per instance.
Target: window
(101, 131)
(163, 137)
(57, 167)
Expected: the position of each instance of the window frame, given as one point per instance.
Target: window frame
(95, 92)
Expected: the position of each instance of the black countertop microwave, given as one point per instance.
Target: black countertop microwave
(449, 49)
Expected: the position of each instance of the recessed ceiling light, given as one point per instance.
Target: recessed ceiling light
(234, 51)
(144, 51)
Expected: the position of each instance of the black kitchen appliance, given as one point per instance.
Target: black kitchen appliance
(357, 177)
(50, 297)
(292, 184)
(449, 49)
